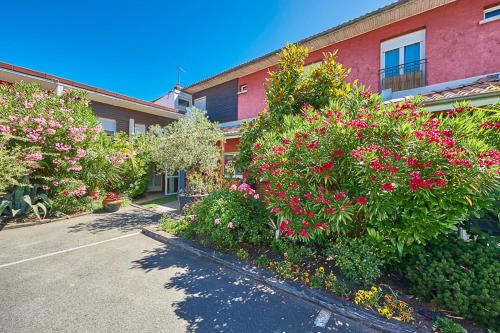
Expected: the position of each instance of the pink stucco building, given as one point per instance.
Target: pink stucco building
(445, 50)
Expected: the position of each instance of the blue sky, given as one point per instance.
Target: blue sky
(133, 47)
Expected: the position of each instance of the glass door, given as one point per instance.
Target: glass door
(172, 183)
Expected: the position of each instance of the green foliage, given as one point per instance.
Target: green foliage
(25, 199)
(289, 89)
(69, 197)
(188, 144)
(11, 166)
(242, 254)
(228, 218)
(262, 261)
(446, 325)
(179, 228)
(460, 276)
(357, 262)
(392, 174)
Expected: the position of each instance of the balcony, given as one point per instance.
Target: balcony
(402, 77)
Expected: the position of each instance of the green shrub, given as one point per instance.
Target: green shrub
(229, 218)
(242, 254)
(179, 228)
(356, 261)
(262, 261)
(463, 277)
(390, 173)
(446, 325)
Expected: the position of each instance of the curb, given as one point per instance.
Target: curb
(9, 226)
(333, 304)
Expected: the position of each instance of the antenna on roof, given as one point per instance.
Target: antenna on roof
(179, 70)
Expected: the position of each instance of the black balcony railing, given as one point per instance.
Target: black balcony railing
(406, 76)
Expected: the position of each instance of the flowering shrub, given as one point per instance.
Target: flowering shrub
(390, 172)
(231, 217)
(53, 131)
(12, 171)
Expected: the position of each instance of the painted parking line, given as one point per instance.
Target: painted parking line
(68, 250)
(322, 318)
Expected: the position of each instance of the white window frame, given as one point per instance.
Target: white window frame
(167, 177)
(243, 89)
(107, 121)
(400, 43)
(487, 10)
(235, 175)
(199, 99)
(136, 126)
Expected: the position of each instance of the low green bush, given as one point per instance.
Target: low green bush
(229, 218)
(463, 277)
(356, 261)
(446, 325)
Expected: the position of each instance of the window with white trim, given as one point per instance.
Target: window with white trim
(491, 14)
(230, 170)
(402, 61)
(139, 129)
(243, 89)
(108, 125)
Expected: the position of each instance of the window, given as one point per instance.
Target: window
(201, 103)
(402, 62)
(108, 125)
(243, 88)
(230, 171)
(183, 103)
(491, 14)
(139, 129)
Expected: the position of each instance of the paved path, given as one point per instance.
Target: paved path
(97, 273)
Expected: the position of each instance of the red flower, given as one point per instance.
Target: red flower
(304, 233)
(285, 141)
(339, 196)
(337, 153)
(257, 145)
(312, 145)
(387, 186)
(279, 150)
(360, 201)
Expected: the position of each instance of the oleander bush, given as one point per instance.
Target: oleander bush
(460, 276)
(352, 166)
(228, 218)
(57, 143)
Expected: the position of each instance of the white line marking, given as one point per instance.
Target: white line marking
(68, 250)
(322, 318)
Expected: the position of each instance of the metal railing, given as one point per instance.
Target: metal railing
(405, 76)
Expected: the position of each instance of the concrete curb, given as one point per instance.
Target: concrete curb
(329, 302)
(9, 226)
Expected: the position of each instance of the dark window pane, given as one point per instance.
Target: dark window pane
(412, 57)
(391, 63)
(491, 14)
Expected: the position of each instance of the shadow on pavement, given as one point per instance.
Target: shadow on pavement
(218, 300)
(124, 220)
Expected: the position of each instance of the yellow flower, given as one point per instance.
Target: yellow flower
(307, 280)
(357, 299)
(374, 289)
(328, 285)
(321, 269)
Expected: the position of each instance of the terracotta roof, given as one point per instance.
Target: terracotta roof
(389, 14)
(228, 130)
(488, 84)
(83, 86)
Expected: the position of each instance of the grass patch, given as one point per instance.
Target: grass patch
(159, 201)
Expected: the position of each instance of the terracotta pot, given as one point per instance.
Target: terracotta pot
(111, 205)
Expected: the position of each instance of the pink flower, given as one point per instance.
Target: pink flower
(256, 196)
(186, 206)
(75, 168)
(34, 137)
(62, 147)
(80, 153)
(230, 225)
(28, 105)
(79, 192)
(34, 157)
(51, 131)
(5, 129)
(217, 221)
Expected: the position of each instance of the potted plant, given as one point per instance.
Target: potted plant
(190, 144)
(112, 202)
